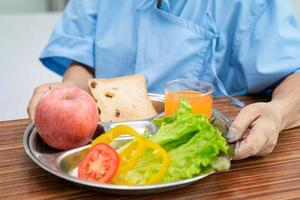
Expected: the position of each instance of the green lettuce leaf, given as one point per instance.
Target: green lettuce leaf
(177, 129)
(197, 155)
(193, 145)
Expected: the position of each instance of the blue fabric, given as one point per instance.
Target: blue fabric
(248, 45)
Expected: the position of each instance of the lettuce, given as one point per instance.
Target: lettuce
(178, 128)
(193, 145)
(197, 155)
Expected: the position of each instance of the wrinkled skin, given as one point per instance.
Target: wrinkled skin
(257, 126)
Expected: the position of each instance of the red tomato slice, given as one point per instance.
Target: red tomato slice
(100, 164)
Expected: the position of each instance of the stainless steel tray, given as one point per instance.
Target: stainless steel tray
(53, 160)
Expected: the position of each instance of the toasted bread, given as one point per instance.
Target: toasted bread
(122, 98)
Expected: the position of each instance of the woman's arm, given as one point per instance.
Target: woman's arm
(79, 74)
(76, 75)
(258, 125)
(287, 99)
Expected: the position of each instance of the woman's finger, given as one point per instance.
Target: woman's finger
(254, 143)
(242, 122)
(38, 93)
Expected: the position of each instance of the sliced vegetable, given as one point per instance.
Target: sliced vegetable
(100, 164)
(155, 151)
(159, 151)
(135, 149)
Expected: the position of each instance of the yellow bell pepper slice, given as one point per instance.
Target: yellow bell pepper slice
(135, 149)
(158, 151)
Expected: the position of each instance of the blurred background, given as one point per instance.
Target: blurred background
(25, 26)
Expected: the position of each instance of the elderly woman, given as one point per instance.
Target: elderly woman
(240, 46)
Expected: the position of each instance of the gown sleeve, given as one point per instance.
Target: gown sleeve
(73, 37)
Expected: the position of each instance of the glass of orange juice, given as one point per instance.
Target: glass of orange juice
(198, 93)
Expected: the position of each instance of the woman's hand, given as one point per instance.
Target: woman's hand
(76, 75)
(257, 126)
(40, 91)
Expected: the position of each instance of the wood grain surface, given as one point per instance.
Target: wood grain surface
(276, 176)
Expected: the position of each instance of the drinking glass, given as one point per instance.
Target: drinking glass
(198, 93)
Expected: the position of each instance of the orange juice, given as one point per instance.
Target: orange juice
(201, 103)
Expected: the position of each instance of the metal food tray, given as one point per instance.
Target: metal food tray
(54, 161)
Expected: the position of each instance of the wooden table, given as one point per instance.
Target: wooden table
(276, 176)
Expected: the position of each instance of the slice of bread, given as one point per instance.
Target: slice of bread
(122, 98)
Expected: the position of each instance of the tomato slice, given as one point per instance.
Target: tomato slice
(100, 164)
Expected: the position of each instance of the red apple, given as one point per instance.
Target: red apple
(66, 118)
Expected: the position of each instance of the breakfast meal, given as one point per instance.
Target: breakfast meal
(122, 99)
(185, 144)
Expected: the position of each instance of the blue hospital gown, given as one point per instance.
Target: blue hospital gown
(241, 46)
